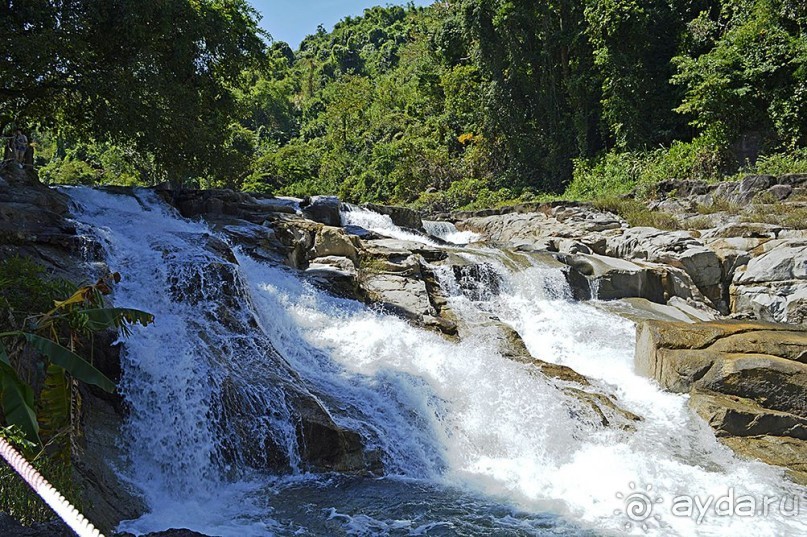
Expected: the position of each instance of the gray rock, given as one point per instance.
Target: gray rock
(402, 295)
(780, 192)
(613, 278)
(752, 185)
(333, 241)
(323, 209)
(773, 285)
(400, 216)
(677, 249)
(783, 263)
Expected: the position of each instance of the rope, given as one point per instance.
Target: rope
(45, 490)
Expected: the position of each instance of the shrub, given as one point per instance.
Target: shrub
(781, 214)
(70, 172)
(616, 174)
(612, 174)
(778, 164)
(465, 194)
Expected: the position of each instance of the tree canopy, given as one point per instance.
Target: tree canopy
(157, 75)
(466, 100)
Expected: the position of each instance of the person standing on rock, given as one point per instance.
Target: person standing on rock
(20, 142)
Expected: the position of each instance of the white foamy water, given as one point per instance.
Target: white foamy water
(449, 232)
(382, 224)
(448, 416)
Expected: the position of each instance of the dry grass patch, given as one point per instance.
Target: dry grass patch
(637, 214)
(719, 205)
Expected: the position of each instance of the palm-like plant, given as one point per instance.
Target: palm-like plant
(56, 334)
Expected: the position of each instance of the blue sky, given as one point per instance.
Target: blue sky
(292, 20)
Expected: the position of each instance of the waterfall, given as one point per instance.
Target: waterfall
(471, 441)
(449, 232)
(353, 215)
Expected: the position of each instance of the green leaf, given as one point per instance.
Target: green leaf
(54, 409)
(3, 353)
(70, 361)
(102, 318)
(18, 402)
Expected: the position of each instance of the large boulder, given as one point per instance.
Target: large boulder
(400, 216)
(333, 241)
(677, 249)
(773, 285)
(323, 209)
(613, 278)
(545, 227)
(588, 401)
(744, 191)
(34, 224)
(747, 380)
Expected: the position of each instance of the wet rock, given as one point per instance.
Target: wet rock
(325, 446)
(787, 452)
(401, 295)
(615, 278)
(335, 275)
(392, 247)
(591, 404)
(9, 527)
(735, 416)
(107, 499)
(400, 216)
(747, 380)
(167, 533)
(641, 309)
(323, 209)
(261, 242)
(477, 281)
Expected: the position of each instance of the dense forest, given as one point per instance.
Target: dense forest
(466, 103)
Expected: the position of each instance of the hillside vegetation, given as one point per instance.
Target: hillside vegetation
(467, 103)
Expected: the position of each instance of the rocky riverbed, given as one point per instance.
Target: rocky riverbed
(720, 311)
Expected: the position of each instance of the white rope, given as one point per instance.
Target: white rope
(45, 490)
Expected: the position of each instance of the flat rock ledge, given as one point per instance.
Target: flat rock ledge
(748, 380)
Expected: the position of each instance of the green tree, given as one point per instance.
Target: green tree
(158, 75)
(753, 75)
(634, 43)
(539, 96)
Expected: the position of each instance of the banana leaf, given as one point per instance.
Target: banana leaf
(102, 318)
(70, 361)
(17, 399)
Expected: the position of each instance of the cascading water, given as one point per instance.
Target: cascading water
(474, 443)
(449, 232)
(353, 215)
